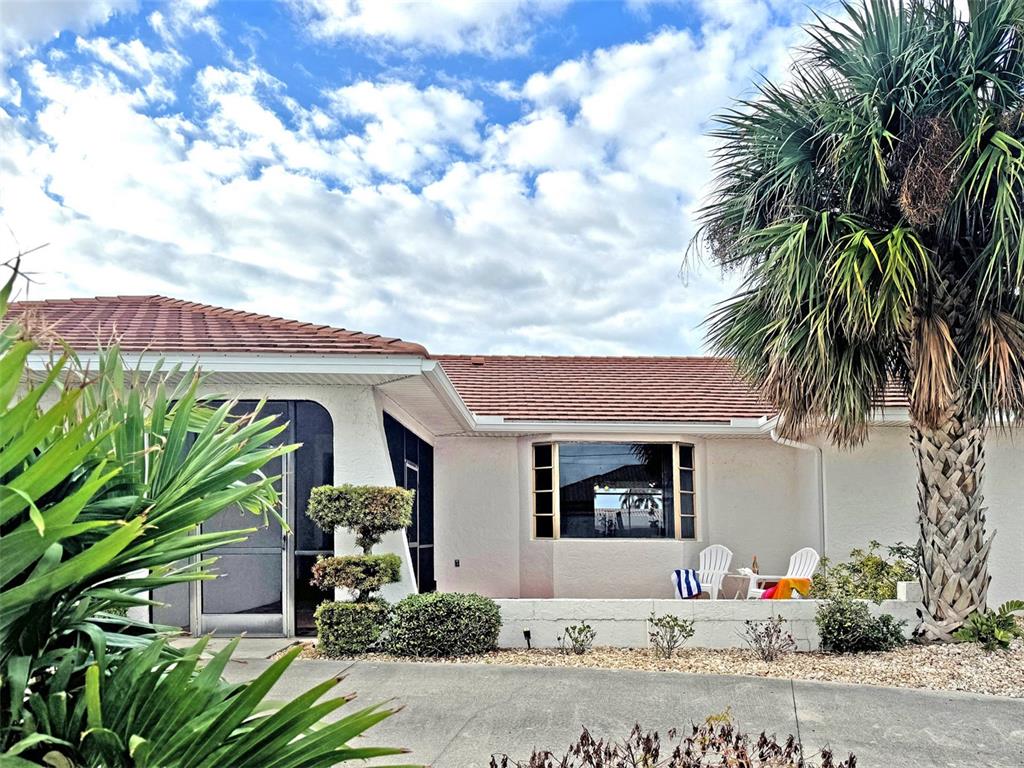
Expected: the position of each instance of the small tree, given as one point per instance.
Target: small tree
(369, 512)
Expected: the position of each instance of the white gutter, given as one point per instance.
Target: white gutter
(819, 466)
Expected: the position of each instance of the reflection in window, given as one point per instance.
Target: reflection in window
(615, 490)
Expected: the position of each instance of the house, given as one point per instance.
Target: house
(536, 477)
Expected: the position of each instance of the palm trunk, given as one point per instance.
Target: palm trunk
(951, 514)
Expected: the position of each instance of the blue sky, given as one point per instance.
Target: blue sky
(516, 177)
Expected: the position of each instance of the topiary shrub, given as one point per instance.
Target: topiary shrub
(362, 573)
(443, 624)
(347, 628)
(369, 511)
(846, 626)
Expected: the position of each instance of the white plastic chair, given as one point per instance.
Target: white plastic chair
(714, 565)
(802, 565)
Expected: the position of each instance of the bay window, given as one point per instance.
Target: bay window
(602, 490)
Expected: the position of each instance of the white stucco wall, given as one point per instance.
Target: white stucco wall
(476, 515)
(870, 494)
(624, 623)
(754, 496)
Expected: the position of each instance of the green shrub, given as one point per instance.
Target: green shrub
(993, 629)
(443, 624)
(869, 575)
(846, 626)
(667, 633)
(577, 638)
(363, 573)
(347, 628)
(368, 511)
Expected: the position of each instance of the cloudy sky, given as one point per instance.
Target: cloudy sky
(514, 176)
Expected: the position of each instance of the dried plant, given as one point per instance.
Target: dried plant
(714, 743)
(768, 638)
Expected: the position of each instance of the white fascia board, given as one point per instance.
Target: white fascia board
(498, 424)
(408, 365)
(438, 381)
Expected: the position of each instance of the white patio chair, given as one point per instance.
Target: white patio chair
(802, 565)
(714, 565)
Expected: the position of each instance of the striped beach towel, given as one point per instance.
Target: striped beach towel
(687, 583)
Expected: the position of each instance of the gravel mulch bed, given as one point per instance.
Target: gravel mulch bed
(960, 667)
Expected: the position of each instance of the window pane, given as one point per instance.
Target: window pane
(542, 479)
(688, 527)
(686, 504)
(686, 479)
(543, 504)
(615, 490)
(545, 527)
(542, 455)
(686, 456)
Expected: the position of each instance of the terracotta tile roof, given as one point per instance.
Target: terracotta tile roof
(677, 389)
(162, 324)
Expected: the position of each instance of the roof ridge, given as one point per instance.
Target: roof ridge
(320, 328)
(259, 321)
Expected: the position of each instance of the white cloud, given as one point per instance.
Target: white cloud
(137, 60)
(184, 17)
(493, 27)
(561, 231)
(29, 22)
(408, 129)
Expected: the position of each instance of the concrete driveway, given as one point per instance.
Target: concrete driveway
(458, 714)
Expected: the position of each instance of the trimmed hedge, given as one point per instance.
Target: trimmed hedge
(364, 573)
(369, 511)
(443, 624)
(846, 626)
(346, 628)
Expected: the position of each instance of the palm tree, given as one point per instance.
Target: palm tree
(873, 202)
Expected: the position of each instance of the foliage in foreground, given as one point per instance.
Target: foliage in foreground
(874, 203)
(147, 710)
(714, 743)
(443, 624)
(104, 478)
(847, 626)
(995, 630)
(868, 574)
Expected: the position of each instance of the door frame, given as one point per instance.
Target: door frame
(196, 615)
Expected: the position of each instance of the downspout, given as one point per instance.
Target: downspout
(819, 464)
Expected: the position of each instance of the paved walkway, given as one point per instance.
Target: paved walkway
(455, 716)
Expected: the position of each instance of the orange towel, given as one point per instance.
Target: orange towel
(785, 588)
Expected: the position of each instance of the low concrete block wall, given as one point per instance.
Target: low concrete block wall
(623, 623)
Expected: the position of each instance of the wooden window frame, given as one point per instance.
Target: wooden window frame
(677, 492)
(555, 520)
(677, 467)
